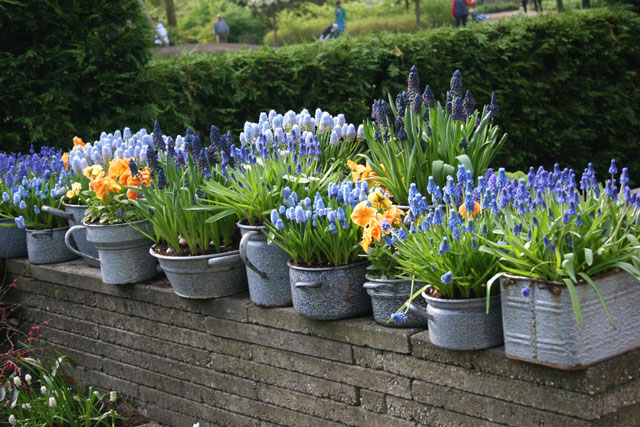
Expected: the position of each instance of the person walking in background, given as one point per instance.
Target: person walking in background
(524, 6)
(162, 36)
(341, 17)
(537, 3)
(221, 30)
(460, 11)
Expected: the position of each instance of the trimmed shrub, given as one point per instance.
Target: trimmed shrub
(70, 67)
(567, 83)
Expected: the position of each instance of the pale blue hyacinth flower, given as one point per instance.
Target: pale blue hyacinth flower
(350, 134)
(360, 133)
(326, 123)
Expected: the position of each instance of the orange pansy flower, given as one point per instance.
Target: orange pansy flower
(362, 214)
(65, 159)
(393, 214)
(103, 186)
(117, 167)
(463, 210)
(77, 141)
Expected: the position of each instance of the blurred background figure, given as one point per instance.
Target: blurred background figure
(221, 30)
(341, 17)
(162, 37)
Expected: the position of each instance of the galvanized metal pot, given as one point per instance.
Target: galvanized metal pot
(74, 215)
(267, 270)
(13, 240)
(463, 324)
(329, 292)
(48, 246)
(388, 295)
(204, 276)
(541, 327)
(123, 251)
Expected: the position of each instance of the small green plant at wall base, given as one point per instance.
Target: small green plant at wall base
(555, 228)
(39, 391)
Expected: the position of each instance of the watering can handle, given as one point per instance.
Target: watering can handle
(243, 254)
(379, 286)
(57, 212)
(419, 310)
(302, 285)
(67, 242)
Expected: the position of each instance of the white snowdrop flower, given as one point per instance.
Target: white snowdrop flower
(43, 390)
(12, 419)
(53, 403)
(17, 381)
(27, 378)
(26, 406)
(113, 396)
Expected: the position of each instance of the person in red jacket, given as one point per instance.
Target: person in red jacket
(459, 10)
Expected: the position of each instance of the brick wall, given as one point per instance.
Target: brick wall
(228, 362)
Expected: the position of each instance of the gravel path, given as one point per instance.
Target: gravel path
(221, 47)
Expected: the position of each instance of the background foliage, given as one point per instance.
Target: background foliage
(567, 84)
(70, 67)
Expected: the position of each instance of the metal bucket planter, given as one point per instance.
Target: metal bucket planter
(541, 327)
(463, 324)
(204, 276)
(74, 215)
(13, 240)
(123, 251)
(388, 295)
(48, 246)
(329, 292)
(267, 270)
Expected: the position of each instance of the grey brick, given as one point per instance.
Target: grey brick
(263, 411)
(368, 357)
(380, 381)
(350, 415)
(60, 322)
(155, 346)
(372, 401)
(431, 416)
(170, 418)
(280, 339)
(202, 412)
(285, 378)
(362, 331)
(493, 410)
(153, 312)
(512, 390)
(79, 296)
(106, 383)
(591, 381)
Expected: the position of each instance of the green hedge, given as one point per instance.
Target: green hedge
(568, 84)
(70, 67)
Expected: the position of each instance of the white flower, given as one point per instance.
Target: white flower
(12, 419)
(113, 396)
(96, 394)
(27, 378)
(52, 402)
(26, 406)
(17, 381)
(43, 390)
(196, 425)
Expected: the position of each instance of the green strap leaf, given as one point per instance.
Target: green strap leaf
(575, 302)
(591, 283)
(588, 256)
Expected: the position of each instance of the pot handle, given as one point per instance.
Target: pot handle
(56, 212)
(67, 242)
(419, 310)
(303, 285)
(243, 254)
(378, 286)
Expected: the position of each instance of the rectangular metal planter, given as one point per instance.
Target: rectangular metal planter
(541, 328)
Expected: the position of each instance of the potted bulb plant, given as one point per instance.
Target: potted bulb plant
(439, 247)
(114, 225)
(35, 180)
(415, 137)
(198, 254)
(263, 170)
(326, 275)
(388, 292)
(570, 253)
